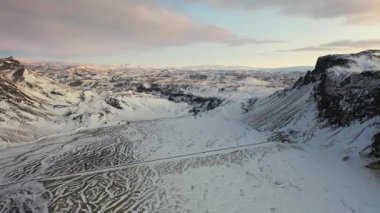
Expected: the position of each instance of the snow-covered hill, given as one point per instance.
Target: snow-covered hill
(181, 140)
(33, 105)
(42, 98)
(338, 102)
(29, 101)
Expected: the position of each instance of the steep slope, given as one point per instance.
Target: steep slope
(29, 101)
(33, 105)
(348, 87)
(337, 102)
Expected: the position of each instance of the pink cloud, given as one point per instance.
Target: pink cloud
(98, 27)
(354, 11)
(342, 45)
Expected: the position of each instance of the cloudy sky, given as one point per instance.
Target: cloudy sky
(258, 33)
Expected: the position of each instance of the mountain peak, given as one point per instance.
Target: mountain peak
(344, 88)
(368, 60)
(8, 63)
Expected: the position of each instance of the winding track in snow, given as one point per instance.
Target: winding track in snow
(215, 151)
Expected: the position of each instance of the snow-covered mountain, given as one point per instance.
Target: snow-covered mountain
(34, 105)
(29, 101)
(40, 99)
(139, 139)
(242, 68)
(337, 102)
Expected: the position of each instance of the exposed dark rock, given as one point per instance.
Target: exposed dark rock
(375, 146)
(78, 118)
(326, 62)
(82, 97)
(246, 106)
(285, 137)
(345, 82)
(56, 93)
(307, 79)
(373, 165)
(371, 74)
(355, 98)
(67, 114)
(9, 63)
(343, 98)
(5, 66)
(200, 104)
(349, 101)
(114, 103)
(373, 150)
(10, 92)
(18, 75)
(75, 83)
(78, 74)
(198, 76)
(175, 94)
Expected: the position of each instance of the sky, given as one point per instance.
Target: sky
(161, 33)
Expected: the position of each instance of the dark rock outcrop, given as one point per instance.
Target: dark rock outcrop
(355, 97)
(8, 63)
(114, 103)
(18, 75)
(340, 91)
(176, 94)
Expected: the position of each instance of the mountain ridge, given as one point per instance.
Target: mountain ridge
(342, 93)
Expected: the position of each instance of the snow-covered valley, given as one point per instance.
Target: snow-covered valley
(80, 138)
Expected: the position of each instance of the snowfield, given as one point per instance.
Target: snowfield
(181, 140)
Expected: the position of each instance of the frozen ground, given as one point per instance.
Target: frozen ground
(161, 158)
(207, 163)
